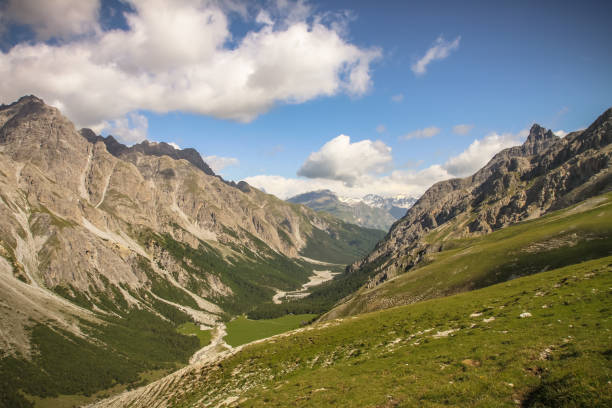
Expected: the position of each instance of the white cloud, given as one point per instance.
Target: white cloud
(438, 51)
(481, 151)
(341, 160)
(181, 56)
(408, 182)
(130, 129)
(398, 98)
(177, 147)
(218, 163)
(426, 133)
(462, 129)
(53, 19)
(381, 128)
(560, 133)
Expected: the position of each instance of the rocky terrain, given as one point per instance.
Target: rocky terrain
(372, 211)
(91, 229)
(520, 183)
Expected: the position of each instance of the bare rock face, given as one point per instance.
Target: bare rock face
(545, 173)
(91, 219)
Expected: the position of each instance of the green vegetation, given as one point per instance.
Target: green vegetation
(321, 298)
(558, 239)
(164, 289)
(250, 276)
(65, 364)
(242, 330)
(191, 329)
(470, 349)
(350, 243)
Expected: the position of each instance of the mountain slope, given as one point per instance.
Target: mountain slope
(541, 340)
(356, 212)
(92, 241)
(519, 183)
(560, 238)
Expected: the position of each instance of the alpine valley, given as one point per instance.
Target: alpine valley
(128, 273)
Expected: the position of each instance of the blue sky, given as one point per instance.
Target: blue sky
(267, 89)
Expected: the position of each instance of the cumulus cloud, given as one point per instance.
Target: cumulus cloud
(481, 151)
(438, 51)
(381, 128)
(462, 129)
(181, 56)
(53, 19)
(341, 160)
(397, 182)
(400, 181)
(130, 129)
(218, 163)
(398, 98)
(177, 147)
(426, 133)
(560, 133)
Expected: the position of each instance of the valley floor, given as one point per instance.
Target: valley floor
(316, 279)
(541, 340)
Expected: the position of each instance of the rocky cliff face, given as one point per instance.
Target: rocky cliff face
(519, 183)
(111, 228)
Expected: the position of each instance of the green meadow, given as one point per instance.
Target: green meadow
(242, 330)
(543, 340)
(191, 329)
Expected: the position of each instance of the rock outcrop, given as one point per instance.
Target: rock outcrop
(544, 174)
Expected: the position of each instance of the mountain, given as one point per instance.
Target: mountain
(396, 206)
(372, 211)
(105, 249)
(493, 290)
(521, 183)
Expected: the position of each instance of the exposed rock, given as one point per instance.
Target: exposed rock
(544, 174)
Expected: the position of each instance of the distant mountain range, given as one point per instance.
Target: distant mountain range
(371, 211)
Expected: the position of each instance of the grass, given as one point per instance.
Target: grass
(468, 350)
(242, 330)
(191, 329)
(561, 238)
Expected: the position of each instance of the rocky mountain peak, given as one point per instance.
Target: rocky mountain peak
(150, 149)
(538, 134)
(546, 173)
(539, 139)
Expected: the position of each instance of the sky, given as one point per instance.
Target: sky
(359, 97)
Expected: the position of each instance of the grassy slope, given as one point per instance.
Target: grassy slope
(560, 238)
(242, 330)
(560, 356)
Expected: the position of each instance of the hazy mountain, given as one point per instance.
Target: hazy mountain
(397, 206)
(93, 233)
(371, 211)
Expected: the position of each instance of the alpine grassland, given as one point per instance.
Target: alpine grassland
(191, 329)
(242, 330)
(541, 341)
